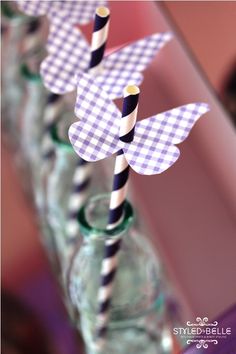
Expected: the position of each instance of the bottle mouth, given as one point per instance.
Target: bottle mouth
(57, 140)
(29, 60)
(93, 218)
(11, 14)
(28, 74)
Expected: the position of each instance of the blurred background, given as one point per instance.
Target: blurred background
(189, 211)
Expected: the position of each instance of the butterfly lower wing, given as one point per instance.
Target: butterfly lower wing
(153, 149)
(96, 135)
(69, 53)
(125, 65)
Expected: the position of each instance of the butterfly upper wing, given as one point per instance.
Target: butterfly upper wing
(153, 149)
(96, 135)
(69, 53)
(34, 8)
(124, 66)
(68, 49)
(78, 12)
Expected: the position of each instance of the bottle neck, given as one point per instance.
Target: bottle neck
(61, 145)
(65, 157)
(29, 67)
(93, 219)
(12, 16)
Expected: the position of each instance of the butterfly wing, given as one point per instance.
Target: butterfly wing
(78, 12)
(124, 66)
(114, 81)
(34, 8)
(69, 53)
(153, 149)
(68, 49)
(96, 135)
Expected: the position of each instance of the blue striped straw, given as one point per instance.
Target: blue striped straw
(118, 196)
(83, 171)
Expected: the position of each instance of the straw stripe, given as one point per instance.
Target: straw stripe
(83, 172)
(51, 115)
(118, 196)
(99, 37)
(33, 36)
(80, 184)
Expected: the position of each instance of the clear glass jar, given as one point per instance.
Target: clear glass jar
(139, 322)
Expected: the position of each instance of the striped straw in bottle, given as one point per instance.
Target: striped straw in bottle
(99, 38)
(118, 196)
(83, 171)
(52, 112)
(32, 38)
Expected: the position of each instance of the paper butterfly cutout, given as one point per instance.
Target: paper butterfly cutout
(120, 68)
(63, 16)
(75, 12)
(153, 150)
(69, 51)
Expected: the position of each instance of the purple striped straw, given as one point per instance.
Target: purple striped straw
(83, 171)
(118, 196)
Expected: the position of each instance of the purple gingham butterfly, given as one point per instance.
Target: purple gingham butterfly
(153, 150)
(73, 11)
(119, 68)
(63, 16)
(70, 52)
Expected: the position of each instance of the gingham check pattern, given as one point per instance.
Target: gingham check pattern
(98, 114)
(152, 151)
(69, 51)
(124, 66)
(119, 69)
(75, 12)
(35, 8)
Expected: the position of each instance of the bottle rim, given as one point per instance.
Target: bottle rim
(57, 140)
(24, 67)
(29, 75)
(13, 15)
(103, 233)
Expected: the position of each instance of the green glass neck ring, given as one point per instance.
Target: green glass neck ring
(98, 207)
(58, 141)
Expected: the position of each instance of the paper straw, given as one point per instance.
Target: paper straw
(83, 171)
(118, 196)
(99, 38)
(51, 114)
(33, 36)
(79, 194)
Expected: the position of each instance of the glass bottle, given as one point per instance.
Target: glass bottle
(60, 185)
(138, 315)
(35, 94)
(11, 79)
